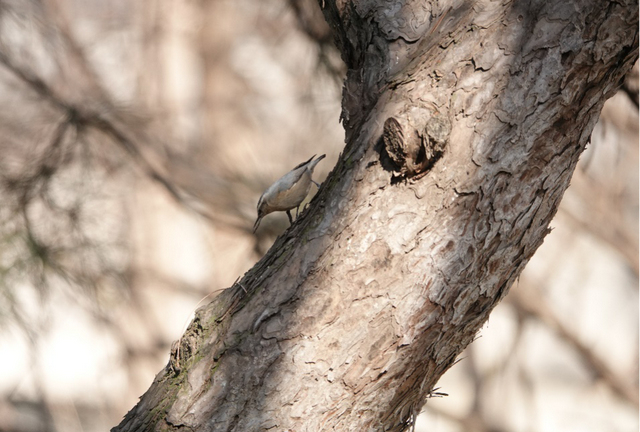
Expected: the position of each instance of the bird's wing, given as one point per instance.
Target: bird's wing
(292, 177)
(287, 181)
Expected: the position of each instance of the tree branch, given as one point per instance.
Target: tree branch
(462, 133)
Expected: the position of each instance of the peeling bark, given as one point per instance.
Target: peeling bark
(464, 122)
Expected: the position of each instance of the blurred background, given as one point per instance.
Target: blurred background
(135, 140)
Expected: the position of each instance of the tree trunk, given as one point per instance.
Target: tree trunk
(464, 123)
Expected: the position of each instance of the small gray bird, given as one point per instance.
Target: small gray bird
(288, 191)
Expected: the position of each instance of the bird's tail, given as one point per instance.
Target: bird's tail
(314, 162)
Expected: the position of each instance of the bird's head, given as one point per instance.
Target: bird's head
(262, 212)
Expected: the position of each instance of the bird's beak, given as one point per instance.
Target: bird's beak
(255, 226)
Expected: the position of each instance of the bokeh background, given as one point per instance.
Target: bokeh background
(135, 140)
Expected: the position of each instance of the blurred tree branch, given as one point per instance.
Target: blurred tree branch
(532, 305)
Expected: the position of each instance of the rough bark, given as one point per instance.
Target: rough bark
(464, 123)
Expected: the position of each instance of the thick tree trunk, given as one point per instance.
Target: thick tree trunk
(464, 123)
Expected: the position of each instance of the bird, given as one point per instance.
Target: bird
(288, 191)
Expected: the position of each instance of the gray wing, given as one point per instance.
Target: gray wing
(285, 182)
(288, 180)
